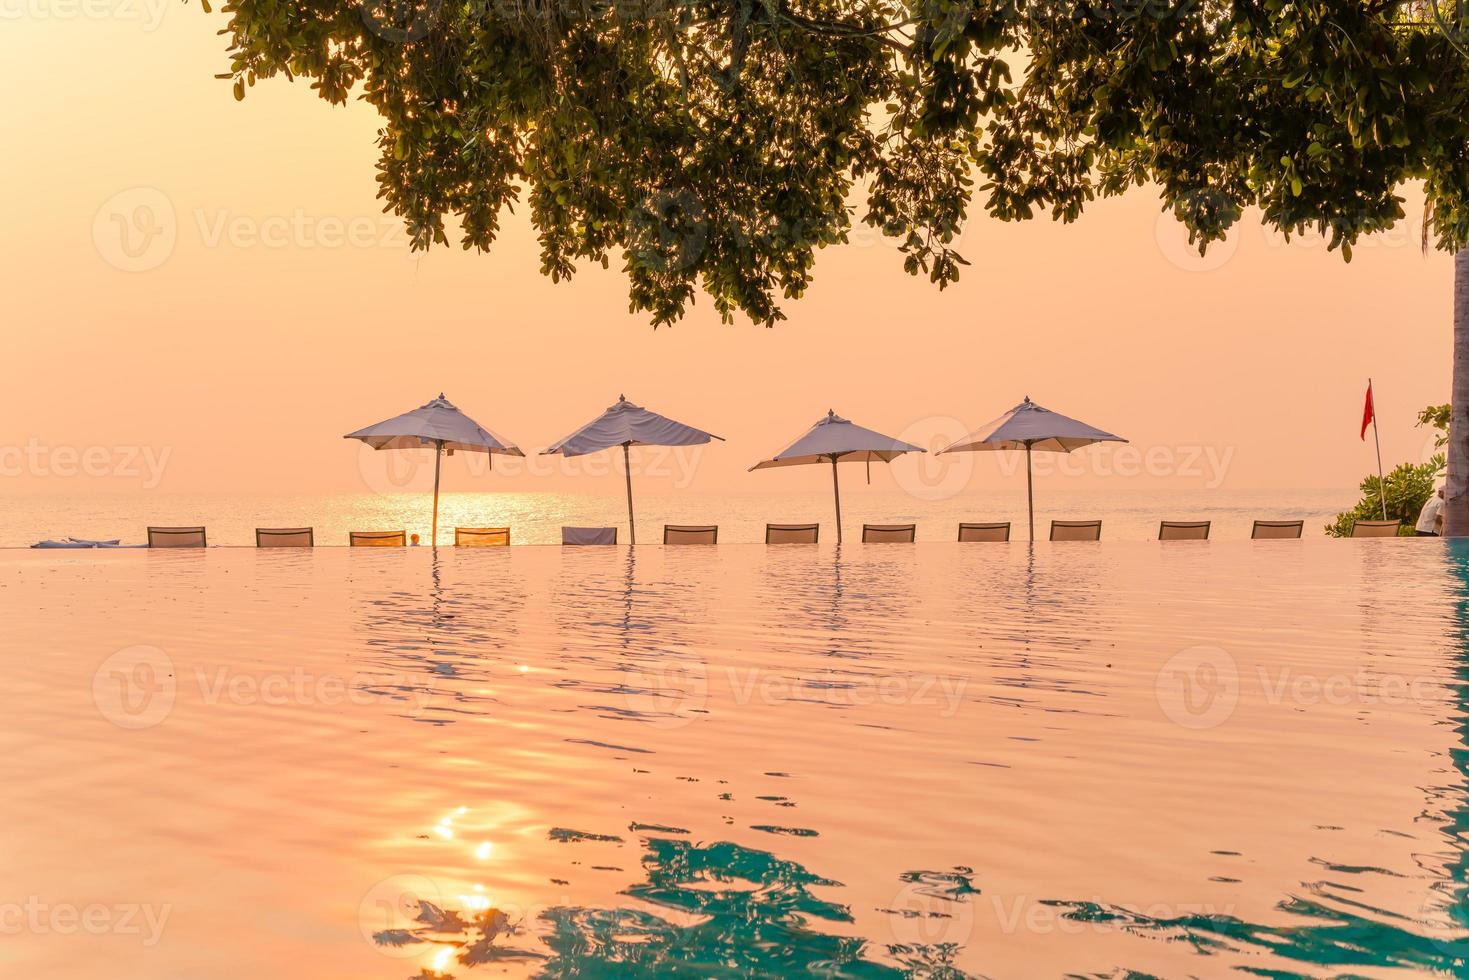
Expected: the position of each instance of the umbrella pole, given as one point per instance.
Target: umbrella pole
(1029, 493)
(836, 492)
(438, 458)
(632, 531)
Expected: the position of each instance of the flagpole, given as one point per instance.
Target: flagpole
(1376, 442)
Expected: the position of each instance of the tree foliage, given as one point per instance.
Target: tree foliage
(708, 143)
(1406, 489)
(717, 144)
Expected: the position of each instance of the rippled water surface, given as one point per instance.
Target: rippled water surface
(925, 761)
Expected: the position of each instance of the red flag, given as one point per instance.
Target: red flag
(1368, 416)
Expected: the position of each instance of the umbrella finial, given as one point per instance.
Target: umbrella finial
(831, 413)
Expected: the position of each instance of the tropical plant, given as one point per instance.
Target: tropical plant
(1407, 488)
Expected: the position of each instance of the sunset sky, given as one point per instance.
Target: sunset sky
(276, 308)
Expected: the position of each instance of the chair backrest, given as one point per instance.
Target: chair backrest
(995, 531)
(482, 537)
(284, 537)
(378, 539)
(1183, 531)
(792, 533)
(1276, 529)
(888, 533)
(176, 537)
(1375, 529)
(1076, 530)
(589, 535)
(691, 534)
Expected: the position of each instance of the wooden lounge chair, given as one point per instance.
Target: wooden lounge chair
(481, 537)
(1183, 531)
(995, 531)
(1375, 529)
(1276, 529)
(284, 537)
(1076, 530)
(378, 539)
(176, 537)
(792, 533)
(691, 534)
(889, 533)
(588, 535)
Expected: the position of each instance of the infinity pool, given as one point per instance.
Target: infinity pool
(924, 761)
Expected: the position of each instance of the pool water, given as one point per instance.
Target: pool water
(941, 760)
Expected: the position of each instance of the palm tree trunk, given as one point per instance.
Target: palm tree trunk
(1456, 496)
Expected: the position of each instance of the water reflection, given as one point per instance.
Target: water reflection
(435, 647)
(624, 642)
(703, 910)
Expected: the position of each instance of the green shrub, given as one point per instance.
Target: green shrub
(1408, 489)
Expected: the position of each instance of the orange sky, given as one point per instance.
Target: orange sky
(279, 308)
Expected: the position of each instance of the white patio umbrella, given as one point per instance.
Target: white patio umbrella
(627, 425)
(1028, 426)
(834, 439)
(439, 425)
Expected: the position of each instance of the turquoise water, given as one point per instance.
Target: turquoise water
(1132, 759)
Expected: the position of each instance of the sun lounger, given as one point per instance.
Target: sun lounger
(1183, 531)
(1375, 529)
(176, 537)
(995, 531)
(284, 537)
(1076, 530)
(481, 537)
(691, 534)
(588, 535)
(792, 533)
(888, 533)
(377, 539)
(1276, 529)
